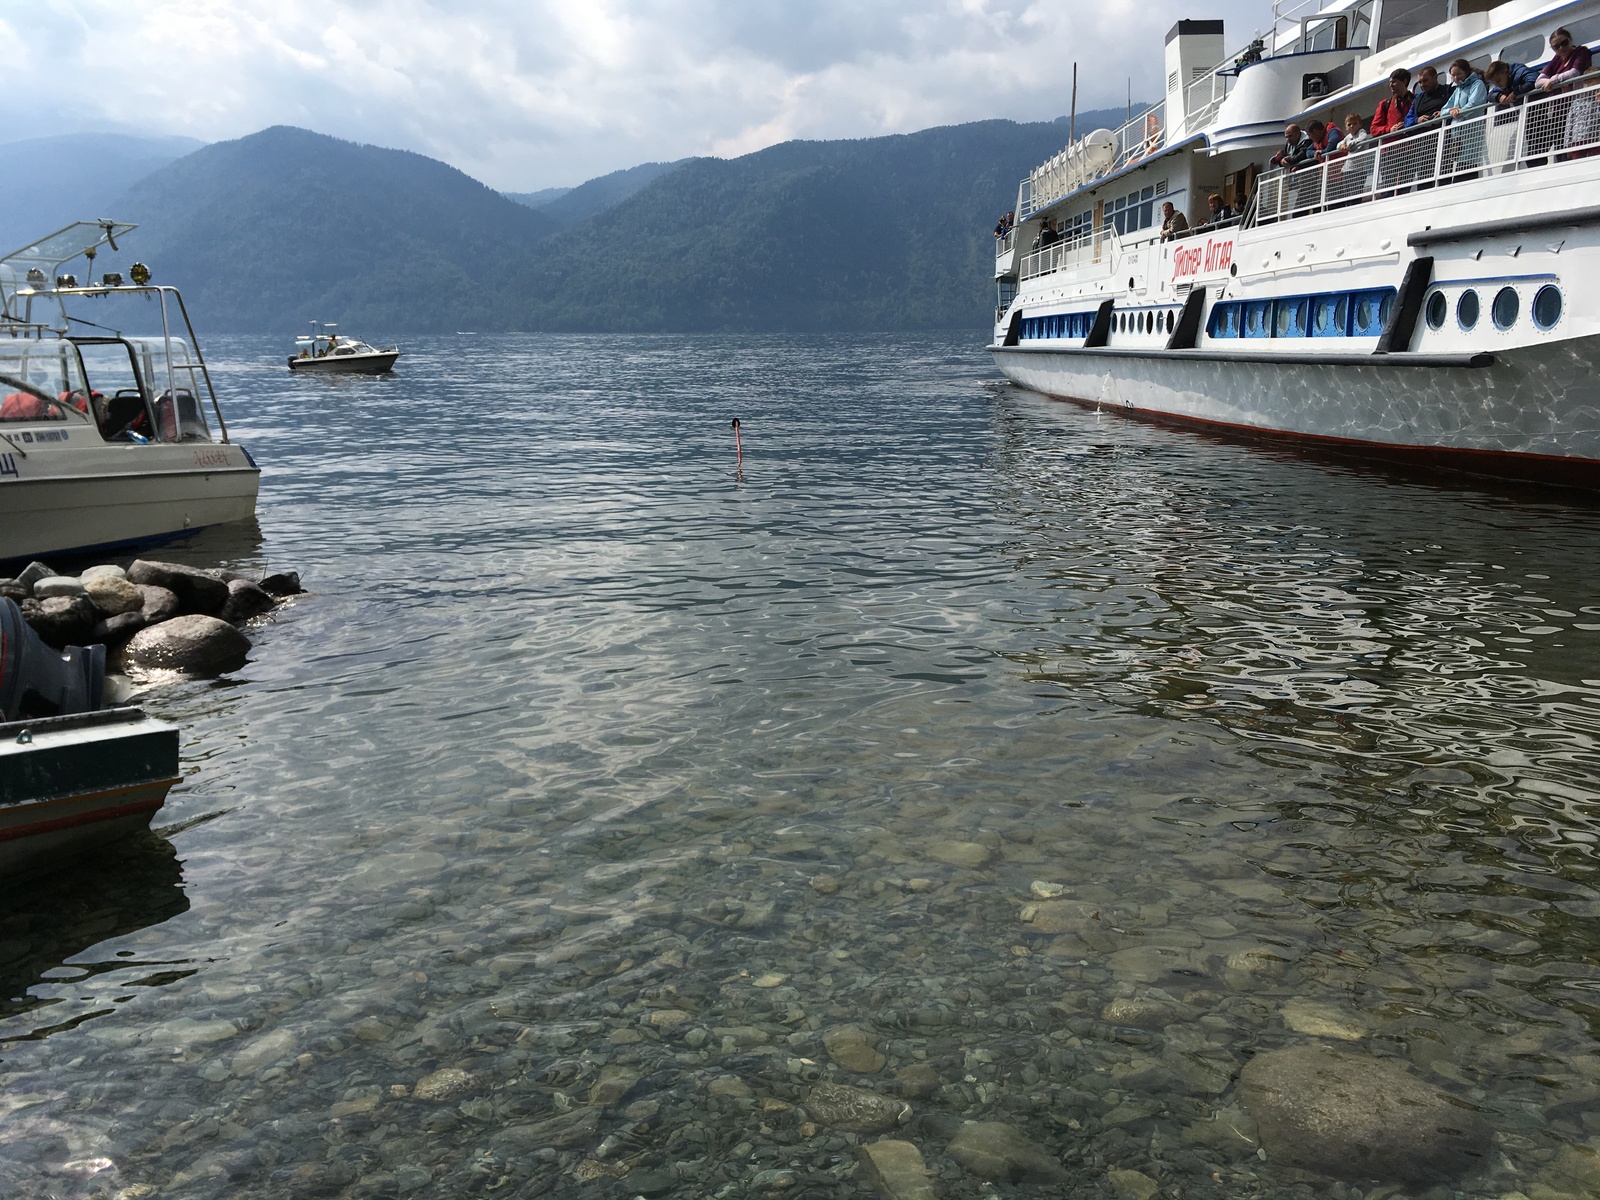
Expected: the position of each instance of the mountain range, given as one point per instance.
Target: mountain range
(271, 230)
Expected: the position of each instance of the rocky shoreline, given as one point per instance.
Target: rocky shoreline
(150, 614)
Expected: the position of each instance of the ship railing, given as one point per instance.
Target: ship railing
(1084, 248)
(1440, 153)
(1140, 136)
(1004, 244)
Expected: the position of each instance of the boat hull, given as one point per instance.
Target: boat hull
(70, 784)
(347, 364)
(58, 500)
(1530, 414)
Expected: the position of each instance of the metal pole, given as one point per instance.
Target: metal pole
(1072, 121)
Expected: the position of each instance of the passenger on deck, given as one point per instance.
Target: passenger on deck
(1355, 134)
(1392, 110)
(1325, 138)
(1047, 235)
(1430, 97)
(1509, 83)
(1568, 62)
(1173, 222)
(1298, 149)
(1218, 211)
(1469, 94)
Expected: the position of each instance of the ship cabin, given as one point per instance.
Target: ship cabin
(1088, 223)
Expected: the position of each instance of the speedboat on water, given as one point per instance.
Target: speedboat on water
(105, 440)
(326, 350)
(1431, 295)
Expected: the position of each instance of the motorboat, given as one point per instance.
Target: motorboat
(1420, 296)
(328, 351)
(71, 783)
(73, 773)
(106, 440)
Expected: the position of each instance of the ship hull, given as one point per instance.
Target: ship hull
(348, 364)
(58, 500)
(1530, 414)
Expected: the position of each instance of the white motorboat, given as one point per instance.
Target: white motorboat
(1422, 297)
(325, 350)
(105, 440)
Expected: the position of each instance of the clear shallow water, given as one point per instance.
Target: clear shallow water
(590, 764)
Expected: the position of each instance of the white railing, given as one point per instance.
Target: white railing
(1078, 250)
(1206, 94)
(1440, 153)
(1138, 138)
(1003, 244)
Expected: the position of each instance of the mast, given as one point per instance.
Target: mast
(1072, 120)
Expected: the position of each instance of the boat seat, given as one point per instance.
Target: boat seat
(122, 412)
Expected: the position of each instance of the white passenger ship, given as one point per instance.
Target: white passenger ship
(1425, 298)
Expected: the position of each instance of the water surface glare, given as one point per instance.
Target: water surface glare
(607, 782)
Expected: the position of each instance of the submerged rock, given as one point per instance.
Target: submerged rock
(994, 1150)
(283, 583)
(195, 644)
(852, 1048)
(447, 1083)
(854, 1109)
(1355, 1117)
(896, 1170)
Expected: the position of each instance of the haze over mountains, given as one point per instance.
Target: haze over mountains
(283, 226)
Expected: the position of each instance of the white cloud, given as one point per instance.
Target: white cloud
(541, 92)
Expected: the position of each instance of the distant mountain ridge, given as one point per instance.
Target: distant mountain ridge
(50, 182)
(269, 231)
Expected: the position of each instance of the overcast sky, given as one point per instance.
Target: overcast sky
(525, 94)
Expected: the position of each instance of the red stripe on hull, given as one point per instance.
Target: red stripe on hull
(1546, 469)
(35, 828)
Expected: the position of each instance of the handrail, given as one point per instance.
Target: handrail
(1439, 153)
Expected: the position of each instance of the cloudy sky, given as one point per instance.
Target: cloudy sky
(525, 94)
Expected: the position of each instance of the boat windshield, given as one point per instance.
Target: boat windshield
(41, 380)
(134, 394)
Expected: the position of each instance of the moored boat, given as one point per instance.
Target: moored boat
(326, 351)
(1429, 296)
(105, 440)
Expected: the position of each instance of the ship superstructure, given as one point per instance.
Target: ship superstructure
(1432, 294)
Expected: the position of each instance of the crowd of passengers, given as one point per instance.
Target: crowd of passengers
(1500, 87)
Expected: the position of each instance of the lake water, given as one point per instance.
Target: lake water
(607, 781)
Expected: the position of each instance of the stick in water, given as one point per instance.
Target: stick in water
(737, 446)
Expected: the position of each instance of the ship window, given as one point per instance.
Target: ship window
(1291, 317)
(1438, 309)
(1368, 312)
(1547, 306)
(1467, 309)
(1505, 309)
(1169, 320)
(1258, 318)
(1328, 315)
(1528, 50)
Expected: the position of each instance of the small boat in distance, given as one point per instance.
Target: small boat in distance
(323, 349)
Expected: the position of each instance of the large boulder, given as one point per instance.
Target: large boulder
(61, 620)
(118, 628)
(12, 590)
(197, 591)
(195, 644)
(284, 583)
(245, 600)
(160, 604)
(1356, 1117)
(113, 595)
(33, 572)
(57, 585)
(112, 569)
(854, 1109)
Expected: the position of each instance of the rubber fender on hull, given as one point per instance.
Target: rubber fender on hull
(1187, 332)
(1396, 335)
(1100, 331)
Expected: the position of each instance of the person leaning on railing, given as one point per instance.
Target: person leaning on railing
(1429, 99)
(1469, 98)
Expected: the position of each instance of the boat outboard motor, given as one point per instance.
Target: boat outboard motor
(36, 681)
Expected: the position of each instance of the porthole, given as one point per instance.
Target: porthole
(1438, 309)
(1467, 309)
(1547, 306)
(1122, 322)
(1144, 322)
(1505, 308)
(1170, 319)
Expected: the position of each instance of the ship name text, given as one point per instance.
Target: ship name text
(1193, 260)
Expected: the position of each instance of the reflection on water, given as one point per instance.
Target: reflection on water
(1030, 765)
